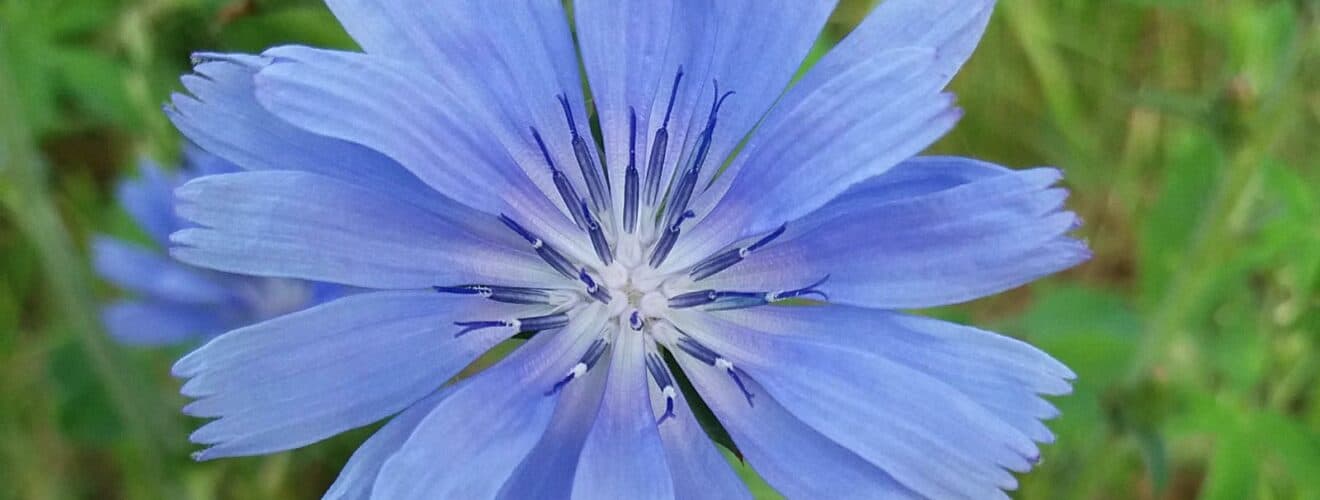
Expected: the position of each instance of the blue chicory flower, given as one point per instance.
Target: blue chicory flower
(174, 302)
(453, 168)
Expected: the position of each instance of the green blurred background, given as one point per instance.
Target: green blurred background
(1187, 129)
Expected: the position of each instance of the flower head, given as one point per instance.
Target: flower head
(728, 240)
(172, 301)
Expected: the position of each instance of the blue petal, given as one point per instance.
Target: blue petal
(1002, 374)
(161, 323)
(461, 150)
(632, 51)
(847, 119)
(149, 201)
(822, 139)
(155, 275)
(358, 476)
(623, 456)
(549, 468)
(953, 27)
(474, 439)
(506, 61)
(758, 47)
(795, 459)
(303, 225)
(885, 247)
(916, 426)
(303, 377)
(698, 468)
(222, 115)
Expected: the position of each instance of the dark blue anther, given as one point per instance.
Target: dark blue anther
(594, 289)
(667, 239)
(693, 299)
(562, 184)
(470, 326)
(708, 135)
(733, 372)
(596, 186)
(717, 300)
(806, 291)
(664, 382)
(698, 351)
(506, 294)
(682, 194)
(635, 321)
(528, 324)
(714, 300)
(585, 363)
(598, 241)
(659, 147)
(727, 258)
(630, 181)
(706, 355)
(547, 253)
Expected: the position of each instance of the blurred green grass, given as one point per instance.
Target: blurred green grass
(1187, 130)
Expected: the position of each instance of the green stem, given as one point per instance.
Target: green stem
(24, 194)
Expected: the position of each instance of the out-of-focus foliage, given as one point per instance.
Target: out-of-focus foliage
(1187, 129)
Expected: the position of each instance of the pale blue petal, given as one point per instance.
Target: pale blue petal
(159, 323)
(358, 476)
(461, 150)
(759, 46)
(623, 456)
(301, 378)
(632, 51)
(474, 439)
(1004, 375)
(792, 457)
(846, 76)
(885, 244)
(697, 466)
(155, 275)
(549, 468)
(148, 199)
(302, 225)
(822, 139)
(920, 430)
(222, 115)
(953, 27)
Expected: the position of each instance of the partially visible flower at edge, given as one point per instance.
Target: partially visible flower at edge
(452, 169)
(173, 302)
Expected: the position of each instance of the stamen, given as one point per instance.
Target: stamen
(527, 324)
(723, 260)
(728, 367)
(678, 202)
(666, 384)
(594, 289)
(562, 184)
(506, 294)
(585, 363)
(635, 321)
(667, 240)
(659, 146)
(547, 252)
(598, 241)
(707, 135)
(805, 291)
(630, 182)
(704, 354)
(696, 349)
(713, 300)
(596, 187)
(682, 194)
